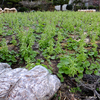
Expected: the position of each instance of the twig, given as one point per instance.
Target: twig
(92, 87)
(11, 87)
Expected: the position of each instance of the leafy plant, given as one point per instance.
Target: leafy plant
(72, 44)
(75, 89)
(67, 65)
(13, 41)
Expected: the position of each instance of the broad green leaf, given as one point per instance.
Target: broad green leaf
(96, 72)
(60, 71)
(61, 77)
(59, 65)
(86, 64)
(91, 53)
(89, 71)
(93, 66)
(53, 57)
(80, 69)
(80, 76)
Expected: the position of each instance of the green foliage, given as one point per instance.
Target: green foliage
(72, 44)
(9, 3)
(23, 9)
(75, 89)
(77, 1)
(60, 2)
(91, 7)
(47, 38)
(6, 55)
(58, 48)
(69, 7)
(76, 66)
(14, 1)
(13, 41)
(67, 65)
(4, 47)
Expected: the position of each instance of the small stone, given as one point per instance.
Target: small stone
(87, 40)
(85, 33)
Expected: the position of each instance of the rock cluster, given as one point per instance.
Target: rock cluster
(8, 10)
(21, 84)
(87, 10)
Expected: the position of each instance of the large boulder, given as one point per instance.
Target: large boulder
(21, 84)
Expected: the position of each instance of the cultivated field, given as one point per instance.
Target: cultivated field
(66, 43)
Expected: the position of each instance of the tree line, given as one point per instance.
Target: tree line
(15, 3)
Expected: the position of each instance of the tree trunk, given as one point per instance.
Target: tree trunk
(61, 7)
(2, 3)
(99, 5)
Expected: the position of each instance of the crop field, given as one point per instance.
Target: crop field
(66, 43)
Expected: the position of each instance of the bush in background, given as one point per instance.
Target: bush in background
(69, 7)
(23, 9)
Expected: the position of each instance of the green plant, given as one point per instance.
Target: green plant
(23, 9)
(6, 55)
(58, 48)
(13, 41)
(67, 65)
(75, 89)
(94, 45)
(72, 44)
(91, 7)
(69, 7)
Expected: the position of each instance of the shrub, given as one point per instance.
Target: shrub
(91, 7)
(69, 7)
(77, 7)
(84, 7)
(23, 9)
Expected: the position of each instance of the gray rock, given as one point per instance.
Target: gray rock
(21, 84)
(4, 66)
